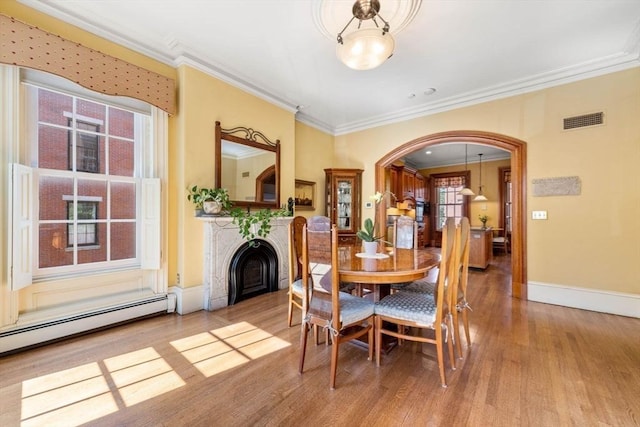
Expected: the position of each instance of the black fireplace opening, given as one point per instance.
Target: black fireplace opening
(253, 271)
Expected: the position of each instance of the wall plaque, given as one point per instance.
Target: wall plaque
(561, 186)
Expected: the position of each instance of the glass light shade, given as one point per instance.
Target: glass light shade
(466, 192)
(365, 49)
(480, 198)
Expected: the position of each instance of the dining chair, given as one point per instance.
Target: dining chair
(461, 278)
(405, 233)
(500, 240)
(344, 316)
(295, 265)
(405, 236)
(424, 312)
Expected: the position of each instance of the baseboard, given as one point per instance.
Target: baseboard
(189, 299)
(43, 332)
(619, 303)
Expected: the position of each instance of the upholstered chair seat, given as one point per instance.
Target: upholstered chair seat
(408, 306)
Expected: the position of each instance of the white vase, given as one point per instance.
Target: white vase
(211, 207)
(370, 248)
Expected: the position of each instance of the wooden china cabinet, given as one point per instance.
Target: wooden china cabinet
(343, 195)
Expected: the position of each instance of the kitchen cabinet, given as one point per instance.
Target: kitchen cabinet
(408, 182)
(343, 201)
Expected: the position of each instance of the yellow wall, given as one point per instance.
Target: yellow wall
(490, 188)
(589, 241)
(314, 153)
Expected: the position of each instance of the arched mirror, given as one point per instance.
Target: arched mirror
(248, 166)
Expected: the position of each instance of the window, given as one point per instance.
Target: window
(86, 147)
(87, 232)
(87, 177)
(449, 203)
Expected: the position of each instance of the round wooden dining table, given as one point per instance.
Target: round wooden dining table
(378, 272)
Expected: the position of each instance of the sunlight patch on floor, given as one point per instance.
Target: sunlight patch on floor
(86, 393)
(228, 347)
(142, 375)
(77, 395)
(82, 394)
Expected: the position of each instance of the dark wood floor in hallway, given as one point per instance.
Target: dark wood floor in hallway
(530, 364)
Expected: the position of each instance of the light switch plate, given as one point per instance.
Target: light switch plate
(539, 215)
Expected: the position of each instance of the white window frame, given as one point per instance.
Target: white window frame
(150, 218)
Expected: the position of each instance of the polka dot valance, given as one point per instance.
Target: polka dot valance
(28, 46)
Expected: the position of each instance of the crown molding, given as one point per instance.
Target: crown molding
(606, 65)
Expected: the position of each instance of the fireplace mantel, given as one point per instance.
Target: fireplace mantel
(221, 241)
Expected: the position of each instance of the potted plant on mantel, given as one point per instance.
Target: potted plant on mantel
(211, 201)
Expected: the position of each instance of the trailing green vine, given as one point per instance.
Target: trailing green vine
(261, 219)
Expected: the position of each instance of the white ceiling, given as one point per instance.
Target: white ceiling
(470, 51)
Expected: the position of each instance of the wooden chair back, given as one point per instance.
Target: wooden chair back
(461, 278)
(446, 281)
(316, 258)
(296, 225)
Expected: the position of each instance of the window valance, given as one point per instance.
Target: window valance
(450, 181)
(28, 46)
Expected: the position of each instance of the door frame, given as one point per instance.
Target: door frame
(518, 150)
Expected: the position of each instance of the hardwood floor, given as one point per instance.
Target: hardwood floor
(529, 364)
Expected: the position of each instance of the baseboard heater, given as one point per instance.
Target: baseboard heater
(43, 333)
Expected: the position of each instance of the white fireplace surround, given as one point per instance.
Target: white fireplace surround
(221, 241)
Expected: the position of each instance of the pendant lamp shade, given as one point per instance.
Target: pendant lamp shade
(466, 191)
(480, 197)
(366, 47)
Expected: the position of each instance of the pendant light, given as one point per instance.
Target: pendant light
(480, 197)
(365, 48)
(466, 191)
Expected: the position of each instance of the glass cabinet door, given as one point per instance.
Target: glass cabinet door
(344, 199)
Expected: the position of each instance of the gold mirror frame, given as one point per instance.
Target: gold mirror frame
(251, 138)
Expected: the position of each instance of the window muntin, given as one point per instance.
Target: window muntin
(87, 158)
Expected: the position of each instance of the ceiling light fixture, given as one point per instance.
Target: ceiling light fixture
(466, 191)
(480, 197)
(365, 48)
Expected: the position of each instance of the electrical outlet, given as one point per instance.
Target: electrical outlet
(539, 215)
(368, 205)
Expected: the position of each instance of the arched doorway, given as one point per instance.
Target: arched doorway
(518, 151)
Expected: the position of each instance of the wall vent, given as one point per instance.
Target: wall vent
(592, 119)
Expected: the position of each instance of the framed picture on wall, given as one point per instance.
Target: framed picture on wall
(305, 195)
